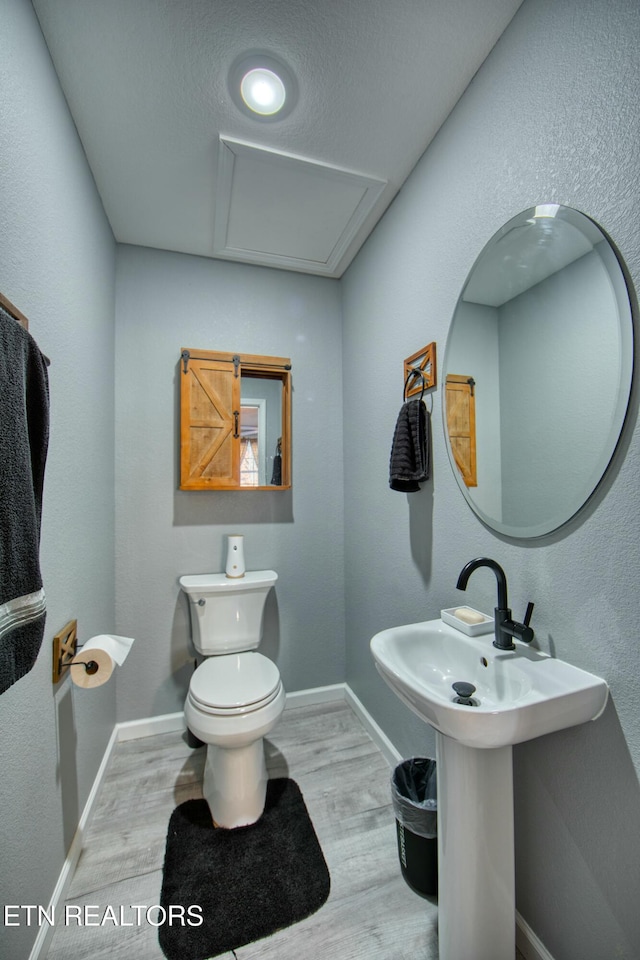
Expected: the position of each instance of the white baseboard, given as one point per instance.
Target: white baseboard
(172, 722)
(526, 940)
(45, 932)
(379, 737)
(306, 698)
(527, 943)
(342, 691)
(150, 726)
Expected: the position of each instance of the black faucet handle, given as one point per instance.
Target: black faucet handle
(522, 630)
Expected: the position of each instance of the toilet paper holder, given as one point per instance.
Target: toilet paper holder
(65, 647)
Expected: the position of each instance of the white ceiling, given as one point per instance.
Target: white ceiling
(179, 167)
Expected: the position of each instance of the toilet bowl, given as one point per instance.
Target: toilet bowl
(235, 698)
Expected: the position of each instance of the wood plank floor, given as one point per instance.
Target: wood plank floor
(371, 914)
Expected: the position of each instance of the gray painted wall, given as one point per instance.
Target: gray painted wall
(167, 301)
(57, 266)
(551, 116)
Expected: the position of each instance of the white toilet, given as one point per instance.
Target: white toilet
(236, 695)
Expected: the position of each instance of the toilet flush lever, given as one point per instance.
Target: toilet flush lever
(201, 602)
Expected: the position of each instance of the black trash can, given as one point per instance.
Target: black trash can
(415, 804)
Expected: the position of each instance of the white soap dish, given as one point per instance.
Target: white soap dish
(471, 629)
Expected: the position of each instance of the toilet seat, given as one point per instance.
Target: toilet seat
(234, 683)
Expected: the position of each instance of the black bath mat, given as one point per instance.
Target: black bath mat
(248, 882)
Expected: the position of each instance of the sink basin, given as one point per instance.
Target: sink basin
(520, 694)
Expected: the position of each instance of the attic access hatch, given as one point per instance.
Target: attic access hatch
(235, 421)
(263, 196)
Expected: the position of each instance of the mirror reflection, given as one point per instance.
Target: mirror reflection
(260, 432)
(538, 371)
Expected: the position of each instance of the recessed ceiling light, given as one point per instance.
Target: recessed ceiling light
(262, 86)
(263, 91)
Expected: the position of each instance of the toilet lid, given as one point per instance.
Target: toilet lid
(234, 680)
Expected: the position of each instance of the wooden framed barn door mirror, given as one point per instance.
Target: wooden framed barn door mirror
(461, 425)
(235, 421)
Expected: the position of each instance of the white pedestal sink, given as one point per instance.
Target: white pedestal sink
(519, 695)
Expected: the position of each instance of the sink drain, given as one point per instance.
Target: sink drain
(464, 693)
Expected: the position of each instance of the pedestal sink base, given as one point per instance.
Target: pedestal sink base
(476, 889)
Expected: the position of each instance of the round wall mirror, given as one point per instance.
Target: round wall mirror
(537, 371)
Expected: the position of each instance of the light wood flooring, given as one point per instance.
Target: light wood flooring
(371, 914)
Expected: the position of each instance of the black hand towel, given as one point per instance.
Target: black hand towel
(24, 433)
(409, 464)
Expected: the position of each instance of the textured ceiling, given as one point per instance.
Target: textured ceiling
(146, 82)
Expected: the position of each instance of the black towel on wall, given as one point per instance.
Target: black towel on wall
(24, 434)
(410, 451)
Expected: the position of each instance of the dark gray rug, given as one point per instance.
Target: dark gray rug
(248, 882)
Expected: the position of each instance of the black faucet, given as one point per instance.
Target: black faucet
(505, 627)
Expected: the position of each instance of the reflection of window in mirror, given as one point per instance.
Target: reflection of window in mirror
(252, 442)
(249, 463)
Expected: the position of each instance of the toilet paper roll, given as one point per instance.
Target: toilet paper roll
(100, 653)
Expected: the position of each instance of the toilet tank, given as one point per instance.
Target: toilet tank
(226, 613)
